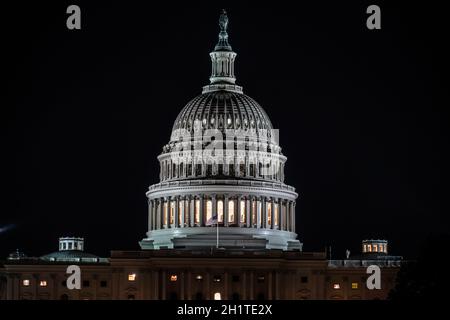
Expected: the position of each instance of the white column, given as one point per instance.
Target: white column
(248, 213)
(183, 212)
(192, 211)
(264, 212)
(150, 215)
(202, 222)
(175, 212)
(225, 208)
(293, 216)
(258, 212)
(239, 198)
(272, 213)
(289, 216)
(214, 206)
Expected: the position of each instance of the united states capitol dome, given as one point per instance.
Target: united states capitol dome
(222, 172)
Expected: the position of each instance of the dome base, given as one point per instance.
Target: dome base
(229, 238)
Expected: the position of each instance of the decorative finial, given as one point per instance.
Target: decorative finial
(223, 21)
(223, 44)
(222, 60)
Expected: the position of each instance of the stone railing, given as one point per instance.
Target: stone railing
(246, 183)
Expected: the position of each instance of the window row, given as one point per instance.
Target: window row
(269, 171)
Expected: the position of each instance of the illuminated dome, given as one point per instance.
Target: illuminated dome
(222, 172)
(223, 110)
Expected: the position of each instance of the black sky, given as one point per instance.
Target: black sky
(91, 109)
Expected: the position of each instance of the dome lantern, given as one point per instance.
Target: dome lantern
(222, 61)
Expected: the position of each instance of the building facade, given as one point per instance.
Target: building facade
(196, 275)
(221, 221)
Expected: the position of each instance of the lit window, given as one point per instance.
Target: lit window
(354, 285)
(375, 248)
(217, 296)
(369, 248)
(220, 210)
(173, 277)
(42, 283)
(172, 212)
(242, 211)
(365, 248)
(132, 277)
(197, 212)
(231, 211)
(26, 282)
(336, 286)
(208, 210)
(199, 277)
(275, 218)
(269, 214)
(259, 207)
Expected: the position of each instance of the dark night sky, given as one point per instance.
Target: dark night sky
(91, 109)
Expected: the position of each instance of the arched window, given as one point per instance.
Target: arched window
(231, 211)
(217, 296)
(198, 169)
(197, 212)
(242, 204)
(186, 212)
(165, 213)
(252, 169)
(254, 212)
(231, 169)
(208, 210)
(180, 211)
(220, 211)
(242, 169)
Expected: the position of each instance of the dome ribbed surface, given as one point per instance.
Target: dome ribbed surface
(223, 110)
